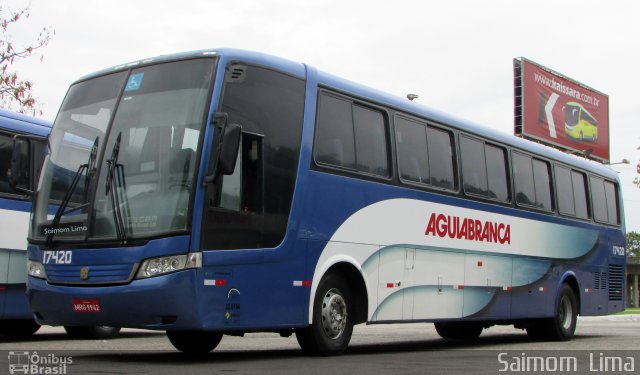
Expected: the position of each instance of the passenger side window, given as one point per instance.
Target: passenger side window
(571, 190)
(335, 144)
(604, 197)
(497, 173)
(413, 162)
(32, 160)
(351, 136)
(425, 154)
(26, 177)
(532, 182)
(371, 141)
(441, 158)
(564, 188)
(484, 169)
(580, 194)
(542, 184)
(6, 149)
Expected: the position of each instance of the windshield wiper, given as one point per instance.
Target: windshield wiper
(90, 168)
(116, 185)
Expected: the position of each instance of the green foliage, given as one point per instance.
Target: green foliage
(633, 244)
(15, 92)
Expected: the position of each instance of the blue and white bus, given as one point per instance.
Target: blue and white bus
(15, 209)
(222, 192)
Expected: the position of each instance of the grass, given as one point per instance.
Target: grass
(629, 311)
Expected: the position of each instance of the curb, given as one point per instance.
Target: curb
(612, 318)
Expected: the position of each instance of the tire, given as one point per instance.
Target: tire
(332, 326)
(23, 328)
(92, 332)
(459, 330)
(563, 325)
(194, 342)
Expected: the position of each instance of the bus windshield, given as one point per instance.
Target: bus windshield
(123, 154)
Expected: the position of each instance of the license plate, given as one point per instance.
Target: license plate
(86, 306)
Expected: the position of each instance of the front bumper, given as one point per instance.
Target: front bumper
(163, 302)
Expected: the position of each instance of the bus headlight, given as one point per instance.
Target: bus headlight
(36, 269)
(163, 265)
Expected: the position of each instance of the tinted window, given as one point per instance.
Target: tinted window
(523, 177)
(250, 208)
(335, 144)
(542, 183)
(371, 142)
(604, 197)
(32, 159)
(425, 154)
(533, 182)
(564, 188)
(6, 148)
(599, 200)
(412, 151)
(351, 136)
(441, 158)
(497, 173)
(484, 169)
(474, 171)
(580, 194)
(571, 190)
(612, 202)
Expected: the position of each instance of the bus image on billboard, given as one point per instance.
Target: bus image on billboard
(579, 124)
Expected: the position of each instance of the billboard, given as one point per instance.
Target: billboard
(560, 112)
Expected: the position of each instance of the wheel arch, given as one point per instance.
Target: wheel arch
(353, 276)
(570, 279)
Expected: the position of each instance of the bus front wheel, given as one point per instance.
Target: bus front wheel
(332, 326)
(194, 342)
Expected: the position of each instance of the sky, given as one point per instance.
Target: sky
(457, 55)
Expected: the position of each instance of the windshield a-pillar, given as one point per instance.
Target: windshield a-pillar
(124, 151)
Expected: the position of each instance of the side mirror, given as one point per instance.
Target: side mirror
(226, 151)
(20, 165)
(229, 149)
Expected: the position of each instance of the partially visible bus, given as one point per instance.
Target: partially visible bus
(223, 192)
(16, 317)
(15, 209)
(579, 124)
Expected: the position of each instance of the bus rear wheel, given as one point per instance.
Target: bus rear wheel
(563, 325)
(194, 342)
(332, 326)
(459, 330)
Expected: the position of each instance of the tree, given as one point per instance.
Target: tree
(15, 92)
(633, 244)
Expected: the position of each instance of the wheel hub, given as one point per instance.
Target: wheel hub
(334, 314)
(566, 313)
